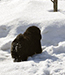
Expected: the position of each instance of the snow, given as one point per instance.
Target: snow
(15, 17)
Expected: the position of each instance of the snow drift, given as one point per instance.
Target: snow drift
(15, 17)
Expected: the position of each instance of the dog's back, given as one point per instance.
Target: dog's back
(27, 44)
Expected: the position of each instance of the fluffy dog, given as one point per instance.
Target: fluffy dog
(27, 44)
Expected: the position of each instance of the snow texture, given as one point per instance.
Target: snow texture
(15, 17)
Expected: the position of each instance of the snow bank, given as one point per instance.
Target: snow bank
(53, 33)
(15, 17)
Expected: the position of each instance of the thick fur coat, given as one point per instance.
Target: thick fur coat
(27, 44)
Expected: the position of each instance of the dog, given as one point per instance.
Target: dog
(26, 44)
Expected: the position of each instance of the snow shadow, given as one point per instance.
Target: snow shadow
(4, 30)
(59, 49)
(23, 26)
(53, 33)
(6, 46)
(63, 12)
(4, 55)
(2, 59)
(42, 57)
(53, 10)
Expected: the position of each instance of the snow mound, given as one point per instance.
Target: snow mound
(53, 33)
(6, 46)
(3, 31)
(15, 17)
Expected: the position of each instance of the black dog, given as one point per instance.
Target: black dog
(27, 44)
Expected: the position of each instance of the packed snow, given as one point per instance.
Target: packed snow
(15, 17)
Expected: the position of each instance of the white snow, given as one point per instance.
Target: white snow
(15, 17)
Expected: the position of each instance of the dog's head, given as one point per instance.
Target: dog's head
(17, 45)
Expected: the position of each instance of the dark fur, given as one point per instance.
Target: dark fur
(27, 44)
